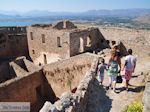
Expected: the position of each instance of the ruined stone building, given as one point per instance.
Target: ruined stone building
(13, 42)
(54, 64)
(25, 81)
(50, 43)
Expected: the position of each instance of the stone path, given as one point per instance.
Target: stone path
(102, 100)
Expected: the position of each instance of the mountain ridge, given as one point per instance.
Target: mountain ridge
(101, 12)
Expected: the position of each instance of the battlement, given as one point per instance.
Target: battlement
(14, 30)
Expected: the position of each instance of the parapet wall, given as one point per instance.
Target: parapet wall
(65, 75)
(146, 97)
(116, 33)
(78, 101)
(16, 30)
(139, 50)
(138, 40)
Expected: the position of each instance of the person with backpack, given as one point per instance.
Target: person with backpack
(113, 63)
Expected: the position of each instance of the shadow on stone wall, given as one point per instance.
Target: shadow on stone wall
(103, 41)
(123, 49)
(48, 95)
(98, 101)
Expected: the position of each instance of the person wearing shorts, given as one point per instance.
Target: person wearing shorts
(129, 66)
(100, 71)
(113, 63)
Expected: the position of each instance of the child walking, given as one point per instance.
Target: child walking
(100, 71)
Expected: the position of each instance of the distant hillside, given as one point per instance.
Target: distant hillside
(116, 12)
(119, 12)
(143, 19)
(130, 18)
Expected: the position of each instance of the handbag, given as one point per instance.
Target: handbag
(119, 79)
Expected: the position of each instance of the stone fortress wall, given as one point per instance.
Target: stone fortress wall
(24, 81)
(138, 40)
(31, 88)
(43, 44)
(13, 42)
(78, 100)
(43, 84)
(65, 75)
(86, 40)
(18, 67)
(61, 41)
(146, 96)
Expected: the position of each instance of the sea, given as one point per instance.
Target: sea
(20, 23)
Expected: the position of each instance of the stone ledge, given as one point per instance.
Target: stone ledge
(146, 98)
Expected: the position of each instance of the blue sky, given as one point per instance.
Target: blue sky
(71, 5)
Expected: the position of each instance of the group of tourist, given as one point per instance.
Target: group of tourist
(112, 68)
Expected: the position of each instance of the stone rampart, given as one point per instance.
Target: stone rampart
(13, 42)
(65, 75)
(146, 97)
(78, 101)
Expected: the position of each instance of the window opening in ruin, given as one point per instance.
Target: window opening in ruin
(81, 45)
(1, 35)
(58, 42)
(38, 92)
(33, 52)
(14, 29)
(8, 29)
(21, 29)
(102, 40)
(113, 42)
(107, 41)
(45, 60)
(31, 34)
(43, 38)
(89, 41)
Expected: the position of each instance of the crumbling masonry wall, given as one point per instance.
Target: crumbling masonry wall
(13, 42)
(86, 40)
(15, 68)
(78, 101)
(65, 75)
(62, 40)
(138, 40)
(146, 97)
(31, 88)
(43, 84)
(47, 50)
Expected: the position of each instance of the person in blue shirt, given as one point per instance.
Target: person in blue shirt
(100, 71)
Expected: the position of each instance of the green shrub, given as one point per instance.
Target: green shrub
(134, 107)
(69, 83)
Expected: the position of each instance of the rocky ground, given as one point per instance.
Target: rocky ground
(102, 100)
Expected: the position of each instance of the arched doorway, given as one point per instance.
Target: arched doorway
(81, 45)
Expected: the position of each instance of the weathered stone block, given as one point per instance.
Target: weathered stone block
(48, 107)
